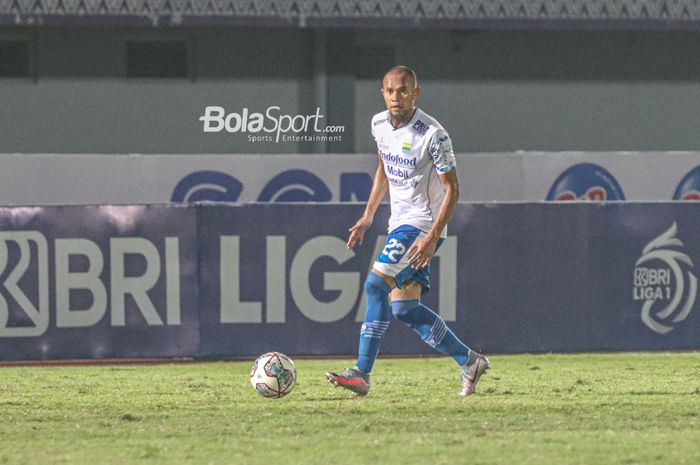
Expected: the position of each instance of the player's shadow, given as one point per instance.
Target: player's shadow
(328, 397)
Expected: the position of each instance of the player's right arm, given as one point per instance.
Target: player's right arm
(380, 185)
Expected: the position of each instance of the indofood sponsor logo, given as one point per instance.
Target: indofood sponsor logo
(398, 166)
(398, 159)
(272, 125)
(664, 282)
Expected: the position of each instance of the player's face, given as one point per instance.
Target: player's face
(399, 92)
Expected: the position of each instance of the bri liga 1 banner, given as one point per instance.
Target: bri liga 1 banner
(217, 280)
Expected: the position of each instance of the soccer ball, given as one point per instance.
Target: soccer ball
(273, 375)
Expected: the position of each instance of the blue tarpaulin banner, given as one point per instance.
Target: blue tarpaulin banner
(219, 280)
(98, 282)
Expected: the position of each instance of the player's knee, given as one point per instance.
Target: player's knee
(402, 309)
(374, 285)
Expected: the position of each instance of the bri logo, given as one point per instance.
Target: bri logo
(585, 181)
(664, 282)
(689, 187)
(421, 127)
(29, 268)
(33, 249)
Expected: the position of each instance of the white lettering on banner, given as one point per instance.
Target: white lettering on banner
(137, 286)
(88, 280)
(38, 314)
(345, 282)
(276, 273)
(234, 310)
(447, 284)
(172, 281)
(665, 301)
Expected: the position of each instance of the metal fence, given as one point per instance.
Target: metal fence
(458, 14)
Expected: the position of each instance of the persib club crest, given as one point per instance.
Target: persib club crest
(664, 282)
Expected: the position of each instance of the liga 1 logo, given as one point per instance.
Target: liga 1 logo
(664, 282)
(585, 181)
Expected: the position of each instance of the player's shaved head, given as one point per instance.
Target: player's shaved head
(404, 70)
(400, 90)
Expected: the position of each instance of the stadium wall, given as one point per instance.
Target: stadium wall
(216, 280)
(44, 179)
(495, 90)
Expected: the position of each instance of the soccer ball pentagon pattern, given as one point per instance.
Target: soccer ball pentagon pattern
(273, 375)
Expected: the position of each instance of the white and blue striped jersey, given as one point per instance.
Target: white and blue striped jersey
(413, 156)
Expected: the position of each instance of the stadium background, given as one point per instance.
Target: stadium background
(85, 84)
(506, 74)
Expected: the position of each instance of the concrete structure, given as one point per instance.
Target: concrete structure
(502, 75)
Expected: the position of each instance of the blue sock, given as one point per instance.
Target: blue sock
(376, 322)
(431, 328)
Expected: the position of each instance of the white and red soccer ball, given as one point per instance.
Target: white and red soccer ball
(273, 375)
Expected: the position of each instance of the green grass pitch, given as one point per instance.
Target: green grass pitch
(631, 408)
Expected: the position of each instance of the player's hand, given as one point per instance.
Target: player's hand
(421, 252)
(357, 232)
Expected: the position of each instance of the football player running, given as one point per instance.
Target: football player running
(416, 165)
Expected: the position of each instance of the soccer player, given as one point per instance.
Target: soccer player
(417, 167)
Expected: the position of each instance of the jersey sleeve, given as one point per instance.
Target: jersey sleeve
(440, 149)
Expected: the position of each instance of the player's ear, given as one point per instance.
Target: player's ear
(416, 91)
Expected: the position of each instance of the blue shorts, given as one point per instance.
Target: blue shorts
(392, 261)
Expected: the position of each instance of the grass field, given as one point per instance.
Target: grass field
(633, 408)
